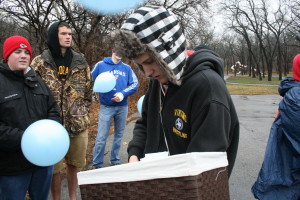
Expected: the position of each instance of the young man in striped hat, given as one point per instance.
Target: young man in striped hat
(187, 107)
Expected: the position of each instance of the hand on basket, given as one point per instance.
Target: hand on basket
(133, 159)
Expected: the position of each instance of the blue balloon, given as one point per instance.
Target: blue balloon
(104, 82)
(140, 104)
(110, 7)
(45, 142)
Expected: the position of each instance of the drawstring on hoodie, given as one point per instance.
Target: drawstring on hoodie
(163, 88)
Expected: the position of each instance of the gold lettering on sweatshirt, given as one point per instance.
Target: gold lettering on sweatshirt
(181, 114)
(179, 133)
(62, 72)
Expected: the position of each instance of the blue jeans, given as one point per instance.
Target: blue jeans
(106, 114)
(37, 183)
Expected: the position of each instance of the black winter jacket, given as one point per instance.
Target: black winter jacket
(197, 116)
(24, 99)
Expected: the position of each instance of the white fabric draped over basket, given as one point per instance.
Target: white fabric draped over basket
(157, 167)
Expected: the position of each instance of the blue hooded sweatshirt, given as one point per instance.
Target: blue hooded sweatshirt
(126, 81)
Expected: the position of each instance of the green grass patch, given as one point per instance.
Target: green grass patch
(259, 89)
(251, 90)
(249, 80)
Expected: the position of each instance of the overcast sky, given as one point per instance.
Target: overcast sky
(218, 17)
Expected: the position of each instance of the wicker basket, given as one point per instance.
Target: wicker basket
(208, 185)
(197, 175)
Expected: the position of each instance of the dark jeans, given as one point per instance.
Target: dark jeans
(37, 183)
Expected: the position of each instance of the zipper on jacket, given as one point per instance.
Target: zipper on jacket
(26, 93)
(54, 67)
(61, 103)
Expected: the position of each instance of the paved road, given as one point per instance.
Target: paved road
(256, 114)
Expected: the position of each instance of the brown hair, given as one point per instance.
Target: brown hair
(62, 24)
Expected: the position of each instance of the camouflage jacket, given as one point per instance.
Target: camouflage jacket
(73, 95)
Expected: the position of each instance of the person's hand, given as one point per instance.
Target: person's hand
(118, 97)
(115, 98)
(133, 159)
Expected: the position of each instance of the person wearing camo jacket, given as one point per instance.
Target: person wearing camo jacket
(68, 76)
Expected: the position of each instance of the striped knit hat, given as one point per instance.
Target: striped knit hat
(156, 30)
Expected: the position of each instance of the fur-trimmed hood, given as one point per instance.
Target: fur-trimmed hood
(156, 30)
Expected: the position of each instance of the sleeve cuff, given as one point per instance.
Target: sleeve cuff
(120, 96)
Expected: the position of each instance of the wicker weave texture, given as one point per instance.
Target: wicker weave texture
(210, 185)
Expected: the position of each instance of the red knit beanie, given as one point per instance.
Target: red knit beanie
(296, 67)
(14, 42)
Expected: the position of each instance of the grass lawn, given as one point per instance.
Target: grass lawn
(251, 90)
(258, 89)
(249, 80)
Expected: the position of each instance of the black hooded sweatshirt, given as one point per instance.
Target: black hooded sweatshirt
(63, 63)
(197, 116)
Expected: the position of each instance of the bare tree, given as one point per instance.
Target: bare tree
(253, 17)
(267, 39)
(277, 27)
(241, 24)
(90, 29)
(30, 16)
(225, 47)
(295, 28)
